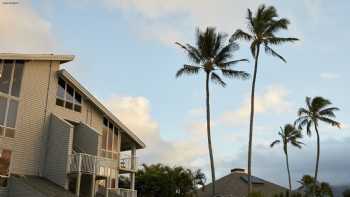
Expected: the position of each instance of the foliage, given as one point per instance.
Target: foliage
(160, 180)
(255, 194)
(289, 134)
(317, 110)
(346, 193)
(210, 54)
(262, 28)
(322, 189)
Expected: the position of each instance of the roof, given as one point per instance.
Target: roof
(235, 185)
(100, 106)
(23, 56)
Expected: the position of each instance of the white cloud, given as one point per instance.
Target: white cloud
(171, 20)
(272, 100)
(329, 76)
(135, 112)
(23, 30)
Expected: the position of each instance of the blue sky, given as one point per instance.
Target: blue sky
(125, 55)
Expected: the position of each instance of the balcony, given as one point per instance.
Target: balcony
(100, 166)
(120, 192)
(127, 162)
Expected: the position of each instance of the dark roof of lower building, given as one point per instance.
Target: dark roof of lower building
(236, 185)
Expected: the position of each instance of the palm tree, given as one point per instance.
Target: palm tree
(317, 110)
(211, 54)
(309, 187)
(292, 135)
(262, 29)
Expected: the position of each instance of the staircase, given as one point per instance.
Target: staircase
(33, 186)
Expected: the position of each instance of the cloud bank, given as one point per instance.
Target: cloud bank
(23, 30)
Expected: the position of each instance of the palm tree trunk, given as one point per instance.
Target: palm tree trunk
(212, 168)
(288, 170)
(317, 159)
(252, 101)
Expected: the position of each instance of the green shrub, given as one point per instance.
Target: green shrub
(346, 193)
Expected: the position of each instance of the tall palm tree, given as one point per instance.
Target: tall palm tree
(262, 29)
(211, 54)
(292, 135)
(317, 110)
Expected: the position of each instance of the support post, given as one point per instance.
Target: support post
(107, 186)
(77, 187)
(133, 166)
(119, 138)
(93, 185)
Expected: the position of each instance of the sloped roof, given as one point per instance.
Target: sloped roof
(101, 107)
(235, 185)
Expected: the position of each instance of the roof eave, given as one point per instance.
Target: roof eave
(42, 57)
(99, 105)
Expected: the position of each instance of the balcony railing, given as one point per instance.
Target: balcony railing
(127, 162)
(120, 192)
(117, 192)
(90, 164)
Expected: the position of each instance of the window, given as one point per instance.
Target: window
(10, 84)
(5, 80)
(8, 116)
(5, 160)
(17, 78)
(109, 140)
(68, 97)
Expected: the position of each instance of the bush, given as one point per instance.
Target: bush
(346, 193)
(255, 194)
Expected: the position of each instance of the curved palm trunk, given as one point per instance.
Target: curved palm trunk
(252, 101)
(288, 170)
(317, 160)
(212, 168)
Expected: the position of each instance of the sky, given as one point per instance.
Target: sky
(125, 55)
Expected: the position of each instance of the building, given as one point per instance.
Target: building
(51, 127)
(235, 184)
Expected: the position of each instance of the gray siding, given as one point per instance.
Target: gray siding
(32, 116)
(86, 138)
(38, 97)
(58, 150)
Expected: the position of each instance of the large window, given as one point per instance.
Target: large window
(5, 161)
(109, 140)
(67, 96)
(10, 85)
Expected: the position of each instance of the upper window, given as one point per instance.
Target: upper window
(67, 96)
(11, 77)
(109, 140)
(10, 85)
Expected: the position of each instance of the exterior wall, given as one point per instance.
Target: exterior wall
(89, 115)
(58, 150)
(31, 117)
(31, 144)
(86, 138)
